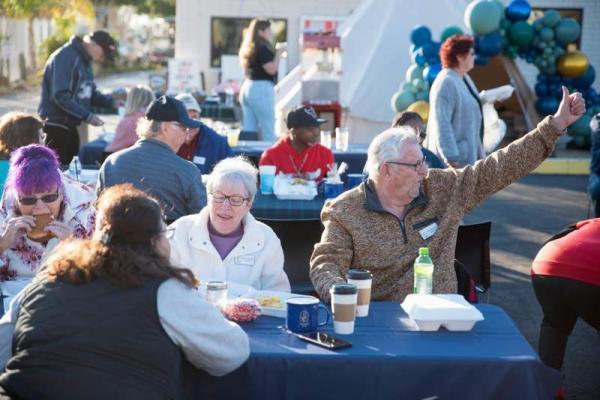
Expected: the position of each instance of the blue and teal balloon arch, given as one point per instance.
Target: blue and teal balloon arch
(497, 29)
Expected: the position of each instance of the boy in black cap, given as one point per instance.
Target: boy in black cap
(152, 163)
(69, 91)
(299, 153)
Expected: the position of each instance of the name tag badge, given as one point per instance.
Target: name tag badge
(244, 260)
(199, 160)
(428, 231)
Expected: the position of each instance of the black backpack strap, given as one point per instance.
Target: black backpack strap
(564, 232)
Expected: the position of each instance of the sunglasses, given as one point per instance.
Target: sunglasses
(168, 232)
(32, 200)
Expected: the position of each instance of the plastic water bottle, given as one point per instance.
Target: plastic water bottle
(75, 168)
(229, 97)
(423, 272)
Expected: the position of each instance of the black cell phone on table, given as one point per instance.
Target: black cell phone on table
(325, 340)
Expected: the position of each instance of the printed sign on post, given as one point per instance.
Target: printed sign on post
(184, 76)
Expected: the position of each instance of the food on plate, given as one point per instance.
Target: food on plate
(38, 234)
(271, 301)
(299, 181)
(241, 310)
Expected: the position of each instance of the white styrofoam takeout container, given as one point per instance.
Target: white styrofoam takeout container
(431, 311)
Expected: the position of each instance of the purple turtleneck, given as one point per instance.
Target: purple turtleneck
(225, 243)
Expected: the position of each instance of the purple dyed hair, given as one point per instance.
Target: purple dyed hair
(33, 169)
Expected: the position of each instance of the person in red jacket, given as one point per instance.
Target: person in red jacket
(566, 280)
(299, 153)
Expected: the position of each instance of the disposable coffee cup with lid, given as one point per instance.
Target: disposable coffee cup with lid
(362, 279)
(343, 306)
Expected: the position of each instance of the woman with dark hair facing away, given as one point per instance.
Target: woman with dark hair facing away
(455, 124)
(40, 208)
(414, 121)
(17, 129)
(109, 317)
(260, 62)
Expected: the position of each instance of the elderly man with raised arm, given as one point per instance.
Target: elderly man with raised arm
(403, 206)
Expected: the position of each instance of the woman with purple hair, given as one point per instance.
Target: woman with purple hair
(40, 207)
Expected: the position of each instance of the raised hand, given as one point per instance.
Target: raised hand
(59, 229)
(571, 108)
(14, 229)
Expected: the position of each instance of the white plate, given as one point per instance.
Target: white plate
(295, 196)
(280, 311)
(430, 312)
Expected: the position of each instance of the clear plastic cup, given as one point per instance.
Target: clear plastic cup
(233, 136)
(267, 178)
(326, 139)
(341, 139)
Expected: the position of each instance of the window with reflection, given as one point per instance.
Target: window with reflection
(226, 35)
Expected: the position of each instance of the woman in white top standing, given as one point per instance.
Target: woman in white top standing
(224, 242)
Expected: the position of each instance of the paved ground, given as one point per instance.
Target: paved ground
(28, 101)
(524, 215)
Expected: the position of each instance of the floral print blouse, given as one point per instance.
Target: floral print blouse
(24, 258)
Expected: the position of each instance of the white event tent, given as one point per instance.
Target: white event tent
(375, 55)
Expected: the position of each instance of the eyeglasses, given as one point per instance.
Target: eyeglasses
(182, 127)
(168, 232)
(234, 200)
(32, 200)
(416, 166)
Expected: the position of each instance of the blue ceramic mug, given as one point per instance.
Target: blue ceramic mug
(332, 189)
(303, 314)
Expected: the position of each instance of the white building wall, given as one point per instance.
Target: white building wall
(590, 35)
(192, 37)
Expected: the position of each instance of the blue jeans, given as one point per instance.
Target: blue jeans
(258, 108)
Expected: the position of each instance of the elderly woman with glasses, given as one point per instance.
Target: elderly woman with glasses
(40, 207)
(224, 242)
(455, 125)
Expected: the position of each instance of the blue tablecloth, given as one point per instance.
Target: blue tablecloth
(388, 359)
(355, 157)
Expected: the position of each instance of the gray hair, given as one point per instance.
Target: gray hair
(389, 145)
(147, 128)
(234, 170)
(138, 98)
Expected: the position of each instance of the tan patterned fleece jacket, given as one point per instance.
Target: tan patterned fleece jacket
(360, 234)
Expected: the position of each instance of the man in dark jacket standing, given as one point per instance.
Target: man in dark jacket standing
(68, 91)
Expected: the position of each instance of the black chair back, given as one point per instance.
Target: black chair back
(473, 253)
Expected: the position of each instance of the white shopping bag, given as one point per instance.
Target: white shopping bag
(494, 128)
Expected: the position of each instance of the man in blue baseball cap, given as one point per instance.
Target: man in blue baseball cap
(152, 164)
